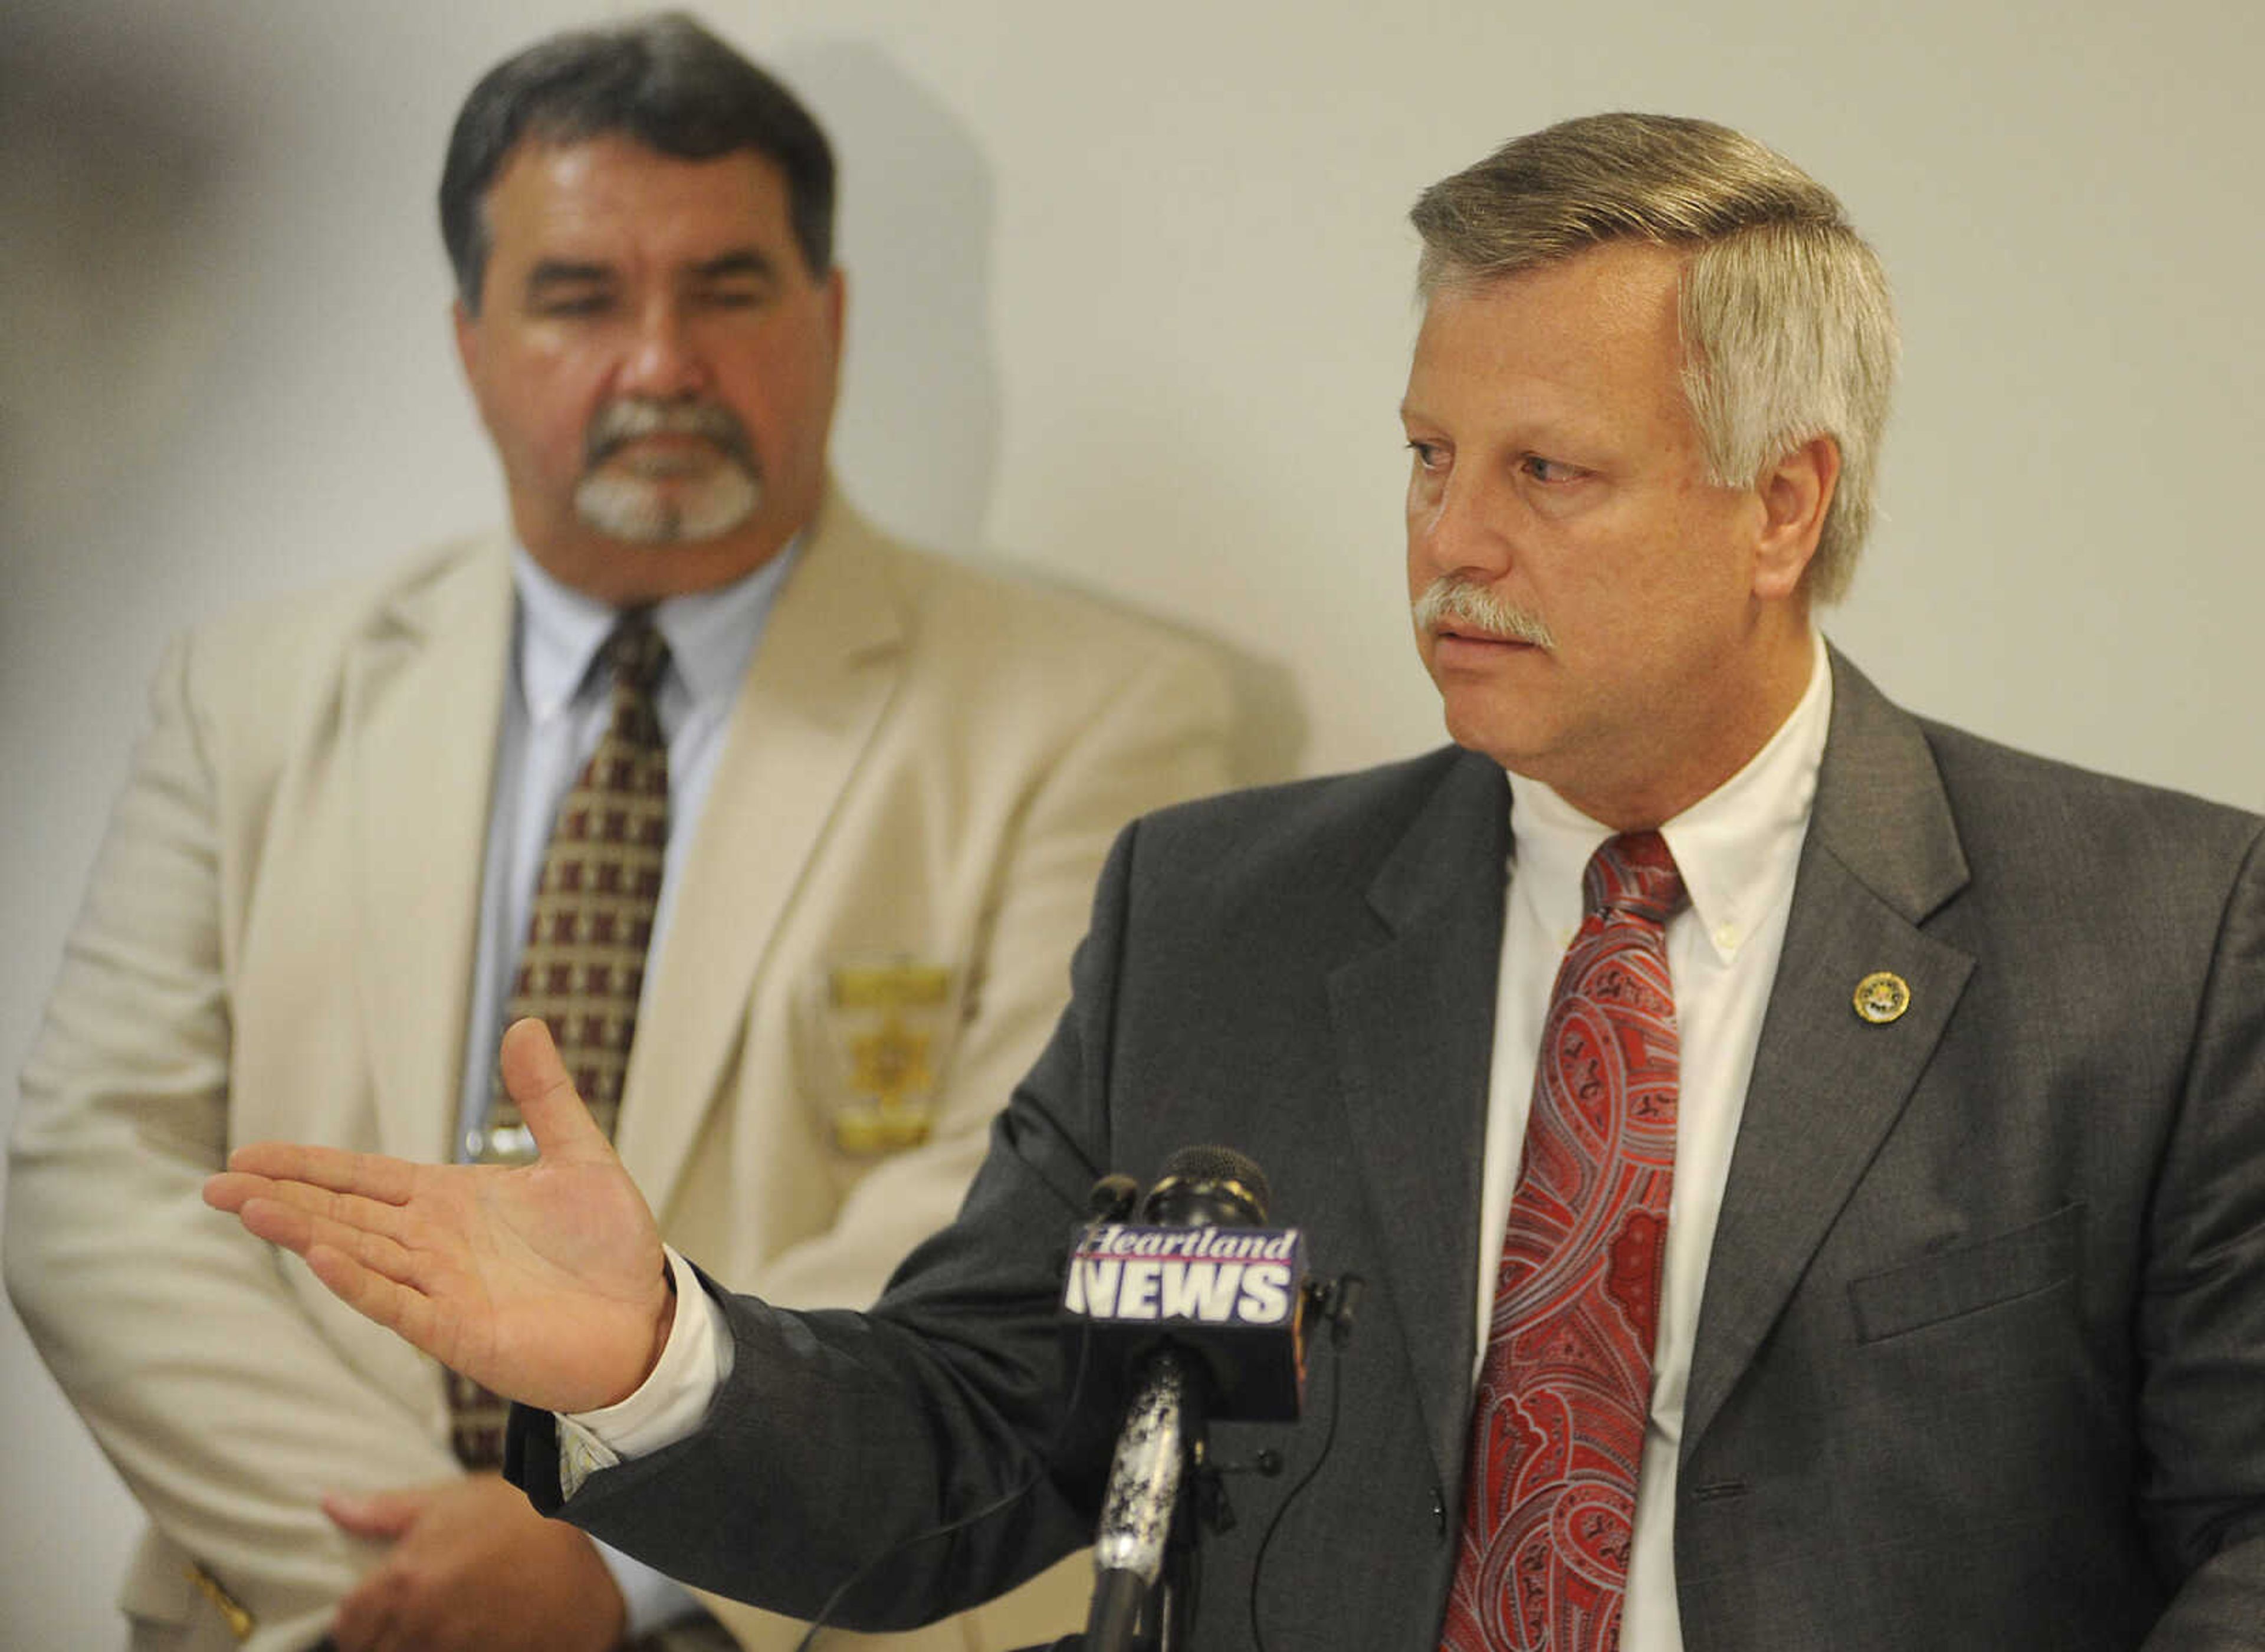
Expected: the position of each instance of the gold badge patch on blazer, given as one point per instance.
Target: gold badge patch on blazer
(1882, 997)
(885, 1023)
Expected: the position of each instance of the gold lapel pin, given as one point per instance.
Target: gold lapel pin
(1882, 997)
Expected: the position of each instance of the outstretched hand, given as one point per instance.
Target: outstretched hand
(543, 1282)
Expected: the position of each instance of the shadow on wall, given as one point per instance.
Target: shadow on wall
(918, 426)
(918, 431)
(1271, 725)
(1270, 737)
(109, 204)
(117, 157)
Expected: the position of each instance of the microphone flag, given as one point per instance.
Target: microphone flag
(1232, 1296)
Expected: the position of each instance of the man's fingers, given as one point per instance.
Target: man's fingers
(229, 1189)
(373, 1273)
(369, 1174)
(293, 1216)
(384, 1515)
(537, 1080)
(400, 1308)
(283, 1221)
(268, 1217)
(351, 1245)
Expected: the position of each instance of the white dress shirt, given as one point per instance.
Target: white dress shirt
(555, 708)
(1737, 849)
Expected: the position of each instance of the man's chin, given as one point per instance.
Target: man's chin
(1485, 726)
(641, 511)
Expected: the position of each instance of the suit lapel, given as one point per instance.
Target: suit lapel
(1881, 856)
(422, 700)
(1414, 1021)
(830, 661)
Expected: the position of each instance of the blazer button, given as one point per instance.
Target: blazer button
(1438, 1511)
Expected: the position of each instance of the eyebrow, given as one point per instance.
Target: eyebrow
(738, 261)
(549, 272)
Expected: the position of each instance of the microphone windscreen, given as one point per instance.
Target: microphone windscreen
(1210, 1186)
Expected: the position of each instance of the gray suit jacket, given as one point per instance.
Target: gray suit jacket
(1981, 1361)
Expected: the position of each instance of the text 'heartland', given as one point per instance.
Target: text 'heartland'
(1121, 1273)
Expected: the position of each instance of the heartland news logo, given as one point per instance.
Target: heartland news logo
(1214, 1275)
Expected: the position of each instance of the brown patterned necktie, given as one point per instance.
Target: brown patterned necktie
(1564, 1391)
(582, 964)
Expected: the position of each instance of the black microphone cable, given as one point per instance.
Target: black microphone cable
(1112, 1199)
(1000, 1504)
(1345, 1297)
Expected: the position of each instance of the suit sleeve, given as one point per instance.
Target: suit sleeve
(1160, 736)
(840, 1439)
(173, 1333)
(2201, 1321)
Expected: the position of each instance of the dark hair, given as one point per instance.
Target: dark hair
(664, 81)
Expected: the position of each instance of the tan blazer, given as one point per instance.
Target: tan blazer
(926, 761)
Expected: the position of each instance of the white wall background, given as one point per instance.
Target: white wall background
(1130, 305)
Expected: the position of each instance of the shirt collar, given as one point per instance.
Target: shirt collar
(1737, 847)
(712, 635)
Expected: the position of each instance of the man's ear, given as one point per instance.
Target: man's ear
(1795, 494)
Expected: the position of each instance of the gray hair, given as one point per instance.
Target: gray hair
(1789, 330)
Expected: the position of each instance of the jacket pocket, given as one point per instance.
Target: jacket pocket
(1984, 1274)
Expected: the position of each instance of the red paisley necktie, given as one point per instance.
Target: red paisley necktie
(1566, 1385)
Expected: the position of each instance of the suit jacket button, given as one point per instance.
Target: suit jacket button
(1438, 1511)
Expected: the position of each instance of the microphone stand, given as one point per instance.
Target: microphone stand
(1144, 1548)
(1140, 1552)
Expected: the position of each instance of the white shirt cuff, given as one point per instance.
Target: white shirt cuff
(671, 1402)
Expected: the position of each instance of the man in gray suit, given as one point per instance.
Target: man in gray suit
(1922, 1218)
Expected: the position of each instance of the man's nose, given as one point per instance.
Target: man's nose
(1459, 529)
(664, 361)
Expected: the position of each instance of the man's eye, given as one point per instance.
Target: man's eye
(1428, 454)
(1549, 471)
(572, 304)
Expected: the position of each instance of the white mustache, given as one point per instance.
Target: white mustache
(634, 417)
(1450, 597)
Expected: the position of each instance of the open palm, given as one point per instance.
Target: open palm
(545, 1282)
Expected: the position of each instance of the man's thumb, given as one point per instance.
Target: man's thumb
(535, 1078)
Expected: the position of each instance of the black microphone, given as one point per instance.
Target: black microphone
(1205, 1304)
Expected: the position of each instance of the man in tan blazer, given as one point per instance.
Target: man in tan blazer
(892, 780)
